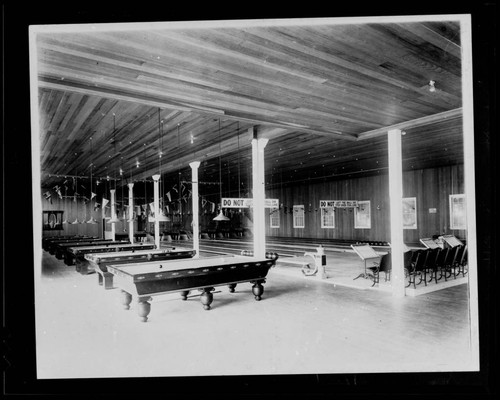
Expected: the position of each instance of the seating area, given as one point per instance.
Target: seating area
(432, 263)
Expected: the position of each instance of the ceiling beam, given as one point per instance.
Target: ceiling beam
(50, 83)
(430, 119)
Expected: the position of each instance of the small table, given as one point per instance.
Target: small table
(144, 280)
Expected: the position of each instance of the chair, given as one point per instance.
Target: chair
(431, 264)
(461, 260)
(418, 268)
(385, 265)
(446, 266)
(407, 259)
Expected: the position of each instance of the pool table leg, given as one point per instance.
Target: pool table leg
(126, 299)
(108, 280)
(207, 297)
(184, 294)
(82, 267)
(143, 308)
(258, 289)
(231, 287)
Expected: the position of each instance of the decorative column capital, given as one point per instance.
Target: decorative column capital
(194, 164)
(156, 177)
(130, 185)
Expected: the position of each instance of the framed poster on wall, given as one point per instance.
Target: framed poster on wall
(298, 216)
(274, 218)
(409, 213)
(328, 217)
(457, 211)
(362, 215)
(52, 220)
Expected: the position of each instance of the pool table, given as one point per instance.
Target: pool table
(51, 245)
(48, 239)
(144, 280)
(100, 262)
(76, 255)
(60, 249)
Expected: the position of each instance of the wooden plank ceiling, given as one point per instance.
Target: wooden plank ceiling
(324, 93)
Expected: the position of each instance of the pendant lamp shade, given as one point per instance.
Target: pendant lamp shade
(163, 218)
(221, 216)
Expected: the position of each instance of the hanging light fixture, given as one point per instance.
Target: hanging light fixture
(91, 220)
(179, 191)
(239, 172)
(161, 213)
(65, 190)
(76, 201)
(105, 201)
(114, 218)
(84, 221)
(221, 216)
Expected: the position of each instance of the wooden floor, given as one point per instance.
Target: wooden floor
(301, 326)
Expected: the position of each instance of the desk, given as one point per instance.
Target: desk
(367, 253)
(144, 280)
(76, 255)
(99, 262)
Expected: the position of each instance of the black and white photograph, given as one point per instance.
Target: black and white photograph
(235, 199)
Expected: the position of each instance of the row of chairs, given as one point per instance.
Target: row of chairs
(421, 264)
(448, 261)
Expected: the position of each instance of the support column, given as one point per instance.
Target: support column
(131, 212)
(196, 209)
(469, 186)
(259, 222)
(156, 210)
(396, 211)
(113, 215)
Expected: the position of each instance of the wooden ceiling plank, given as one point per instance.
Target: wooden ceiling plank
(105, 92)
(434, 38)
(193, 40)
(415, 48)
(380, 38)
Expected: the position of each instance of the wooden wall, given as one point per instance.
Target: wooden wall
(83, 212)
(431, 187)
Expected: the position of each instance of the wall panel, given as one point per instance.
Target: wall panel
(431, 187)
